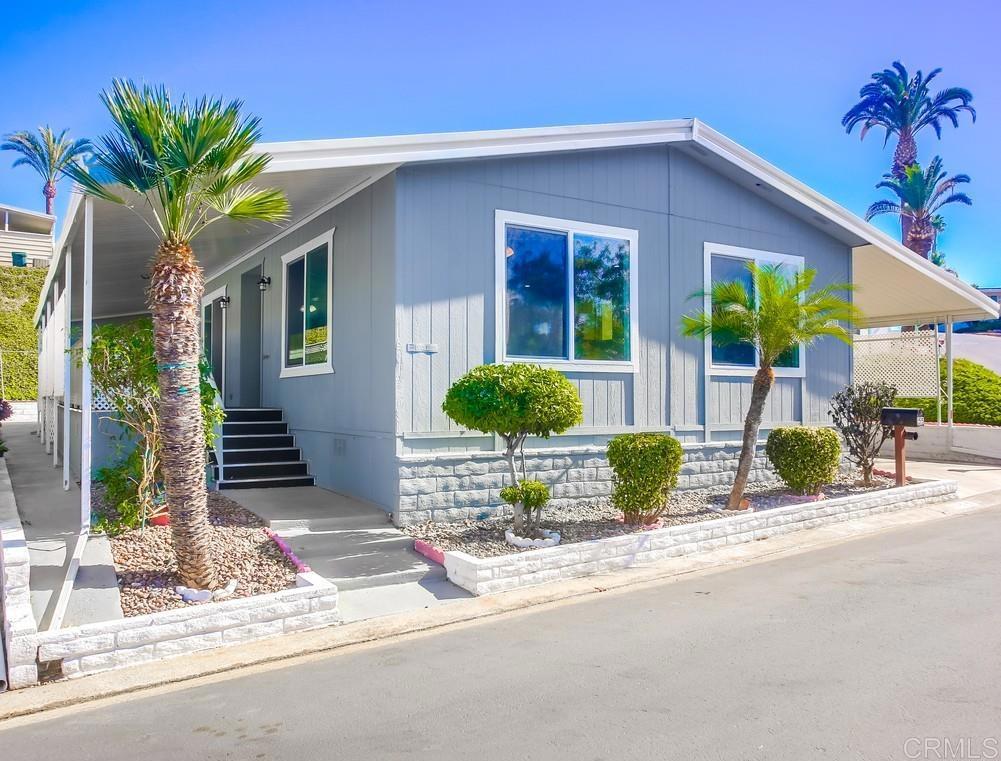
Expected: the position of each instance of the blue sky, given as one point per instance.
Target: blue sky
(775, 76)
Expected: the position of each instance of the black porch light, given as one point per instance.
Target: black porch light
(264, 283)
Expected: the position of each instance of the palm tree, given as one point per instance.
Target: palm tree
(902, 105)
(776, 314)
(181, 166)
(920, 196)
(47, 153)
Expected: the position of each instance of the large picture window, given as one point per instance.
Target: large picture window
(729, 263)
(566, 292)
(306, 306)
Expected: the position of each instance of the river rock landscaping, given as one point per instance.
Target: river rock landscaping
(147, 570)
(597, 519)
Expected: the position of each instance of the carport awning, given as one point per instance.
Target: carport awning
(900, 288)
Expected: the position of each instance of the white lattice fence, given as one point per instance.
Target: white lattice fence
(906, 360)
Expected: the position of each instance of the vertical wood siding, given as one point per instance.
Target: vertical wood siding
(345, 422)
(445, 280)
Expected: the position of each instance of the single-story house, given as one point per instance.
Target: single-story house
(409, 260)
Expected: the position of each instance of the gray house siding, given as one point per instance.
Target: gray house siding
(445, 287)
(345, 421)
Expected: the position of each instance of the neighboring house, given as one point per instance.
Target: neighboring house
(412, 259)
(994, 294)
(25, 237)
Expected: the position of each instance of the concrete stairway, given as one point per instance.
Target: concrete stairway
(354, 545)
(258, 452)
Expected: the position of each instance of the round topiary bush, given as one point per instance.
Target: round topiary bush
(646, 467)
(516, 401)
(805, 458)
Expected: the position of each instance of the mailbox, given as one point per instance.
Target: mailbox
(909, 417)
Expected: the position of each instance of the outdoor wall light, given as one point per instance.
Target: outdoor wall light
(224, 302)
(264, 283)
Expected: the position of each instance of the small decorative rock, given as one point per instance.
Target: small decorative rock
(549, 539)
(193, 595)
(226, 591)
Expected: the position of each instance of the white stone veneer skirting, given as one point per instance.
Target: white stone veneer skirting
(498, 574)
(96, 647)
(20, 633)
(466, 485)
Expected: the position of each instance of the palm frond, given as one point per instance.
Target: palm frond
(188, 162)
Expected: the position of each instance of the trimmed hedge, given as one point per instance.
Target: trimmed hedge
(646, 467)
(805, 458)
(976, 394)
(19, 291)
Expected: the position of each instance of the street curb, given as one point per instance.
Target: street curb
(274, 653)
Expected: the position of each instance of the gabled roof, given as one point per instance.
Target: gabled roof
(922, 292)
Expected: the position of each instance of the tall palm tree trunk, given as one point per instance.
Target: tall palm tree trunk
(920, 239)
(905, 154)
(175, 294)
(763, 380)
(49, 191)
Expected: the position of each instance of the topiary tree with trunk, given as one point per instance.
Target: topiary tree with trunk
(514, 402)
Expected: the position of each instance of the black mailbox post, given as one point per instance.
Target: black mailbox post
(901, 418)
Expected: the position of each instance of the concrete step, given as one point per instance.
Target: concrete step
(360, 558)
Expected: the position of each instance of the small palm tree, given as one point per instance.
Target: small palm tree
(47, 153)
(920, 196)
(777, 314)
(902, 105)
(181, 166)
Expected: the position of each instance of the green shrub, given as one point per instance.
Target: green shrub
(123, 368)
(805, 458)
(646, 467)
(19, 291)
(976, 394)
(856, 413)
(515, 401)
(532, 494)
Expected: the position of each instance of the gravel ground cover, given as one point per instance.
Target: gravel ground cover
(147, 571)
(597, 519)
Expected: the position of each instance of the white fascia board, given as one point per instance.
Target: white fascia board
(76, 200)
(824, 207)
(319, 154)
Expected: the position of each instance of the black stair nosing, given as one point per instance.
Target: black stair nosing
(268, 482)
(235, 466)
(252, 471)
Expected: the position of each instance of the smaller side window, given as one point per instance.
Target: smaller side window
(306, 299)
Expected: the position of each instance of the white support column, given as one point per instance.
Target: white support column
(86, 405)
(948, 376)
(67, 367)
(42, 377)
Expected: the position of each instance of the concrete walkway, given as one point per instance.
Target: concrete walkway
(353, 544)
(51, 518)
(972, 479)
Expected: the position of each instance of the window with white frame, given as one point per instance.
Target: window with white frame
(306, 308)
(729, 263)
(566, 292)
